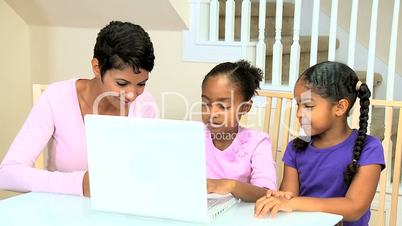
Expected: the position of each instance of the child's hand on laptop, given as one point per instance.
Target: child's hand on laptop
(220, 186)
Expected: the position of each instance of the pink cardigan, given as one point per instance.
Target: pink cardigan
(56, 121)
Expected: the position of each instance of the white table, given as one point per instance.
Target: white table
(58, 210)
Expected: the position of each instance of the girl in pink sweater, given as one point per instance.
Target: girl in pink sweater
(239, 159)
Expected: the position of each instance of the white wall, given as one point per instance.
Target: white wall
(15, 81)
(181, 8)
(171, 74)
(95, 13)
(59, 53)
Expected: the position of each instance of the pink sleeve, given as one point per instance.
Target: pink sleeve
(16, 171)
(263, 172)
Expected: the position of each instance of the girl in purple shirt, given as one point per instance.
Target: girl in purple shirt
(123, 58)
(239, 160)
(333, 169)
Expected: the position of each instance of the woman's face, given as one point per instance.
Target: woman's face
(121, 87)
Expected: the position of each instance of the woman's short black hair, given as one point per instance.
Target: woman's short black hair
(123, 44)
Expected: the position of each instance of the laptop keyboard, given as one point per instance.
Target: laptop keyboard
(214, 202)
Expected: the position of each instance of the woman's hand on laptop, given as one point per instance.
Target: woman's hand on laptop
(220, 186)
(85, 185)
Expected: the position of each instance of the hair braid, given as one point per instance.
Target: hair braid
(364, 94)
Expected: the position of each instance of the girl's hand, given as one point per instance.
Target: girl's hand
(220, 186)
(280, 194)
(271, 205)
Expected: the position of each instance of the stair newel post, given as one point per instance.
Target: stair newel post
(388, 111)
(392, 52)
(332, 31)
(229, 20)
(372, 45)
(277, 49)
(261, 48)
(371, 54)
(295, 49)
(213, 20)
(314, 33)
(245, 26)
(352, 33)
(199, 24)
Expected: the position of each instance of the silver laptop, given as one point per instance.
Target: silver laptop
(150, 167)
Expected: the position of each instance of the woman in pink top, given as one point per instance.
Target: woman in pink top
(239, 160)
(123, 58)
